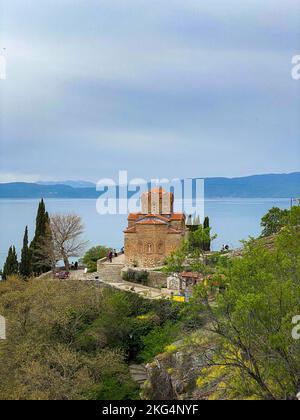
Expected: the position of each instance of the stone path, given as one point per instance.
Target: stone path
(138, 373)
(119, 260)
(110, 276)
(144, 291)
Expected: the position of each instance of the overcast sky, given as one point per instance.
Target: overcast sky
(162, 88)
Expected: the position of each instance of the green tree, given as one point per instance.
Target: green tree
(176, 262)
(25, 264)
(201, 238)
(157, 339)
(207, 241)
(42, 235)
(93, 255)
(273, 221)
(253, 319)
(294, 218)
(41, 361)
(11, 265)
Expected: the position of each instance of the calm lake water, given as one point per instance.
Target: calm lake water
(232, 219)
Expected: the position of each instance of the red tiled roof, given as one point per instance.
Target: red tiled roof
(177, 216)
(157, 216)
(174, 216)
(130, 230)
(134, 216)
(150, 222)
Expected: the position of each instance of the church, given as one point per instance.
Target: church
(155, 232)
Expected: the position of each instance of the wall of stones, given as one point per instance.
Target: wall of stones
(156, 279)
(150, 245)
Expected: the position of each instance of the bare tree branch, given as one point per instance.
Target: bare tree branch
(67, 231)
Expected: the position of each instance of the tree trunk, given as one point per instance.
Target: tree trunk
(66, 262)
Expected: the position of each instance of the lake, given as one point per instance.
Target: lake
(232, 219)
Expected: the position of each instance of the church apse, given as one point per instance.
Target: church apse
(154, 233)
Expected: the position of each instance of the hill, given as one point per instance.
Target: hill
(257, 186)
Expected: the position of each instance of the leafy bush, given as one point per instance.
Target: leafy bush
(42, 358)
(70, 340)
(274, 221)
(135, 276)
(253, 319)
(156, 341)
(93, 255)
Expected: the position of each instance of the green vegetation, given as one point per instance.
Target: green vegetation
(93, 255)
(42, 236)
(69, 340)
(25, 264)
(34, 259)
(136, 276)
(201, 238)
(192, 255)
(273, 221)
(158, 339)
(255, 356)
(207, 241)
(11, 265)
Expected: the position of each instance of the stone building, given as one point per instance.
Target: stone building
(155, 232)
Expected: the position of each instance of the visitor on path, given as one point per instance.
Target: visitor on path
(76, 265)
(115, 253)
(122, 250)
(110, 256)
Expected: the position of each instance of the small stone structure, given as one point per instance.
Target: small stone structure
(183, 281)
(2, 328)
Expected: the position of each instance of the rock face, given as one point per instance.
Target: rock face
(173, 375)
(159, 385)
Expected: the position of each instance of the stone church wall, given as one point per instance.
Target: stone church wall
(150, 246)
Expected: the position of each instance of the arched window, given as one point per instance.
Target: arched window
(160, 247)
(149, 248)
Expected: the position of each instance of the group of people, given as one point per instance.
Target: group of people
(113, 254)
(225, 248)
(74, 266)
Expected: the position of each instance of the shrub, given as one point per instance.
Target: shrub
(93, 255)
(135, 276)
(156, 341)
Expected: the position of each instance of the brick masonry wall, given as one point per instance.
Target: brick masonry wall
(150, 245)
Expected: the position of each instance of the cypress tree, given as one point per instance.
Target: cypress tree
(11, 265)
(37, 245)
(25, 264)
(206, 225)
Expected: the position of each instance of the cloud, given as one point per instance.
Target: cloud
(17, 177)
(180, 88)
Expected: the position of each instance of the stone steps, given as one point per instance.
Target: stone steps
(110, 272)
(138, 373)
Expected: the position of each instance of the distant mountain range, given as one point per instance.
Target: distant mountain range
(258, 186)
(74, 184)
